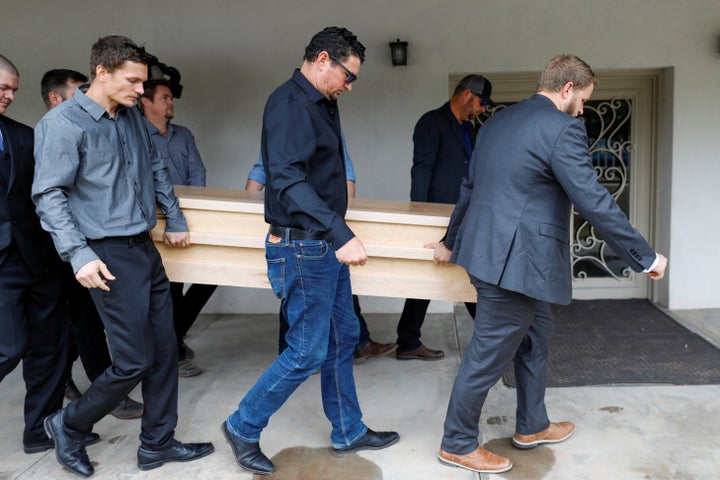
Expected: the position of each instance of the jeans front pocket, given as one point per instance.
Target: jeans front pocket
(311, 249)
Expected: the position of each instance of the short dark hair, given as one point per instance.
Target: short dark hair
(338, 42)
(565, 68)
(149, 89)
(113, 51)
(56, 81)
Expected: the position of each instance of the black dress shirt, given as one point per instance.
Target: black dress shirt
(301, 144)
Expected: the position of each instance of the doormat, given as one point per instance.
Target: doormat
(601, 342)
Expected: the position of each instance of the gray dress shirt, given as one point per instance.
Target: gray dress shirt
(97, 177)
(179, 153)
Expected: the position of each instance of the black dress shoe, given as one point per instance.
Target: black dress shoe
(47, 443)
(370, 441)
(69, 449)
(247, 454)
(177, 452)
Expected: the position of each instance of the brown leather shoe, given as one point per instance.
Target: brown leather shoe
(556, 432)
(479, 460)
(375, 349)
(72, 392)
(421, 353)
(128, 409)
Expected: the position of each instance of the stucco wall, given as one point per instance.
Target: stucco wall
(232, 54)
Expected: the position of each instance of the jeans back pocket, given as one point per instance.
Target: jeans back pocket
(276, 276)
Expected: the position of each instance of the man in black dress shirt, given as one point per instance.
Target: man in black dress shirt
(309, 248)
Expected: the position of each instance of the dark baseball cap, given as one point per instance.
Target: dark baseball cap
(480, 86)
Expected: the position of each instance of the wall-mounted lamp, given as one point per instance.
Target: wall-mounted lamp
(398, 52)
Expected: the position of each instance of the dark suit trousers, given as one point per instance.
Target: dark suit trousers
(187, 307)
(508, 326)
(33, 328)
(87, 327)
(412, 319)
(137, 314)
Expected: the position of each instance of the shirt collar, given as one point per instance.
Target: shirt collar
(544, 99)
(308, 87)
(91, 106)
(153, 130)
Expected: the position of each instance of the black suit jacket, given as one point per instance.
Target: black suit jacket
(18, 219)
(511, 225)
(440, 157)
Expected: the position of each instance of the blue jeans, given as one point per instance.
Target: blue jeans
(323, 332)
(363, 339)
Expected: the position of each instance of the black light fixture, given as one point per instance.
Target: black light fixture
(398, 52)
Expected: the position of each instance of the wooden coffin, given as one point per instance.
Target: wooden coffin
(228, 231)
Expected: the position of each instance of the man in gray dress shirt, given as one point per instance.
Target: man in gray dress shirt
(87, 339)
(97, 181)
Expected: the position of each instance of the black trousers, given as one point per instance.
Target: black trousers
(412, 319)
(33, 328)
(87, 330)
(187, 307)
(137, 314)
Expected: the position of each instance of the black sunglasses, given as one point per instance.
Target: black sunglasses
(483, 102)
(351, 77)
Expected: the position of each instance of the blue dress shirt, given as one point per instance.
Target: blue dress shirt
(179, 153)
(257, 172)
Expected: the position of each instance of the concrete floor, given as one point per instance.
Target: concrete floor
(648, 432)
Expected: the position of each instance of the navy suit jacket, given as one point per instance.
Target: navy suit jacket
(440, 157)
(511, 224)
(18, 219)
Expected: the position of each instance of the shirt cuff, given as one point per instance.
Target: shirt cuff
(654, 264)
(82, 257)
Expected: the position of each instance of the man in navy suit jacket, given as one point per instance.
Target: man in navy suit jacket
(510, 231)
(31, 322)
(443, 142)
